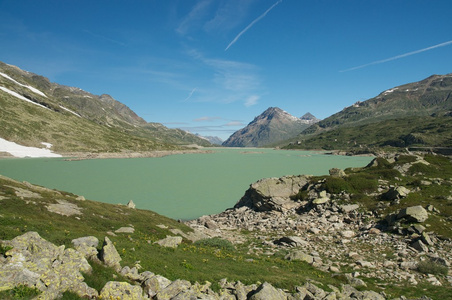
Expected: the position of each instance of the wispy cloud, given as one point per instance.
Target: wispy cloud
(252, 24)
(195, 15)
(235, 124)
(207, 119)
(251, 100)
(398, 56)
(231, 81)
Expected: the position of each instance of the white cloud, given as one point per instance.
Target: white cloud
(205, 119)
(234, 124)
(251, 100)
(195, 15)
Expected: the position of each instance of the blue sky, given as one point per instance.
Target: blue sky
(211, 66)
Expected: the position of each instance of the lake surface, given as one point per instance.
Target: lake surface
(182, 186)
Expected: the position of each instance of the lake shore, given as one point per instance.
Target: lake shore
(72, 156)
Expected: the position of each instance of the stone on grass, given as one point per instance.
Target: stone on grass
(109, 255)
(121, 290)
(267, 292)
(300, 255)
(413, 214)
(170, 241)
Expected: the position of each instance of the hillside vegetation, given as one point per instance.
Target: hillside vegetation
(34, 110)
(412, 115)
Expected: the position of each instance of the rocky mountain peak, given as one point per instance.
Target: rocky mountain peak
(271, 126)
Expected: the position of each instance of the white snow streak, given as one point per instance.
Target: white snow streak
(23, 151)
(34, 90)
(72, 112)
(21, 97)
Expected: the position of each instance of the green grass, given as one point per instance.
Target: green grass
(20, 292)
(214, 259)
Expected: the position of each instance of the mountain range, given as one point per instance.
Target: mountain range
(272, 126)
(35, 110)
(417, 114)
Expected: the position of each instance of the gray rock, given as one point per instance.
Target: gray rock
(109, 255)
(121, 290)
(130, 204)
(267, 292)
(419, 246)
(395, 193)
(293, 241)
(349, 207)
(172, 290)
(413, 214)
(273, 193)
(334, 172)
(300, 255)
(170, 241)
(125, 230)
(87, 246)
(155, 284)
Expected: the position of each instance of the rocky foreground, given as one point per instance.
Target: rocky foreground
(334, 234)
(294, 215)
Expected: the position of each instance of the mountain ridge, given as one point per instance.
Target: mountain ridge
(102, 123)
(271, 126)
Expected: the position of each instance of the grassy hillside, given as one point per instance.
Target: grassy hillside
(26, 208)
(34, 110)
(429, 131)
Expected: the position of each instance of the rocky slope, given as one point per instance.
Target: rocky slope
(383, 232)
(272, 126)
(35, 110)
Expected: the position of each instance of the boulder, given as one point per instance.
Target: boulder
(170, 241)
(125, 230)
(155, 284)
(130, 204)
(335, 172)
(419, 246)
(413, 214)
(300, 255)
(109, 255)
(273, 193)
(121, 290)
(349, 208)
(87, 246)
(172, 290)
(395, 193)
(267, 292)
(293, 241)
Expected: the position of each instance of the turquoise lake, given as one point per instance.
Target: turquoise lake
(182, 186)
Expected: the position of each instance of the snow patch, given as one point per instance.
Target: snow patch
(72, 112)
(34, 90)
(48, 145)
(21, 97)
(390, 91)
(17, 150)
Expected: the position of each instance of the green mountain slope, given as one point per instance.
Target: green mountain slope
(34, 110)
(414, 114)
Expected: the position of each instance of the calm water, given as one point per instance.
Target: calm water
(178, 186)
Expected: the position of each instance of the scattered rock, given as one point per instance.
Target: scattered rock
(413, 214)
(109, 255)
(130, 204)
(170, 241)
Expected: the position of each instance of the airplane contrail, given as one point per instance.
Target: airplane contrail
(398, 56)
(189, 95)
(251, 25)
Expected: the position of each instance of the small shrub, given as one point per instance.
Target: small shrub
(362, 183)
(335, 185)
(4, 249)
(431, 267)
(217, 243)
(20, 292)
